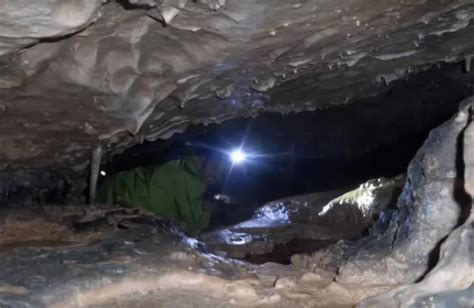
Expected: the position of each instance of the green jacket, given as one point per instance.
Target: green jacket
(173, 190)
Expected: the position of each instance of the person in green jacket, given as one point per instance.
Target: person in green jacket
(174, 190)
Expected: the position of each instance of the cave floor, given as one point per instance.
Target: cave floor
(104, 256)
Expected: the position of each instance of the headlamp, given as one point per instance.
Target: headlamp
(237, 156)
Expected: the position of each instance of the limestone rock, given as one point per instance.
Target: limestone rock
(42, 19)
(285, 283)
(109, 64)
(430, 207)
(450, 282)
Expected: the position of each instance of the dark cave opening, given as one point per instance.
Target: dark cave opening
(321, 150)
(335, 149)
(329, 150)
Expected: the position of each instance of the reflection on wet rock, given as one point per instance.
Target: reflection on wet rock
(148, 263)
(306, 223)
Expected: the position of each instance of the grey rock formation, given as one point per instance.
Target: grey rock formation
(69, 250)
(77, 73)
(307, 223)
(450, 283)
(25, 23)
(105, 256)
(432, 204)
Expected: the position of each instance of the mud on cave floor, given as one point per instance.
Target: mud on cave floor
(105, 256)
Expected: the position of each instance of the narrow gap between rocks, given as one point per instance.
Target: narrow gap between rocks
(311, 159)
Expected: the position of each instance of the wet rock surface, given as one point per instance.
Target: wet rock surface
(135, 259)
(78, 249)
(306, 223)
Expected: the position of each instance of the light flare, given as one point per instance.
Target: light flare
(238, 156)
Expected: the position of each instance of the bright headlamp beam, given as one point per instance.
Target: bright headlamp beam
(237, 156)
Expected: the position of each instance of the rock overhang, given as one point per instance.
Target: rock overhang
(118, 73)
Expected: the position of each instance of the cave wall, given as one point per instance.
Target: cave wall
(449, 284)
(432, 204)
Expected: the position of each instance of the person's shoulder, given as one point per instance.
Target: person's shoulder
(168, 165)
(193, 163)
(171, 167)
(187, 166)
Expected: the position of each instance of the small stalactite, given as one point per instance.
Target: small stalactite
(467, 63)
(469, 156)
(94, 172)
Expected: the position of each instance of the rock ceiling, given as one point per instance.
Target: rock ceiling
(78, 73)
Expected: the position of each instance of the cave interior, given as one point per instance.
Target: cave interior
(355, 116)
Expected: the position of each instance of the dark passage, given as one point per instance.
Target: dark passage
(324, 149)
(332, 150)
